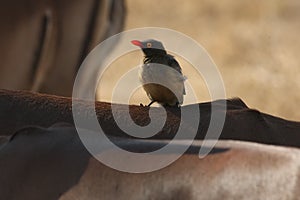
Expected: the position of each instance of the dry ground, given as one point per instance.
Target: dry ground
(254, 43)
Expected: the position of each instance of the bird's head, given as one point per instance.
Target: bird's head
(150, 47)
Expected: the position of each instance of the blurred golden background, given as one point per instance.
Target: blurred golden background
(255, 45)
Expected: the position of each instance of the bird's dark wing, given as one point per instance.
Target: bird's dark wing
(174, 64)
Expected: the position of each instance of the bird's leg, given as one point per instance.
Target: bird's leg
(148, 104)
(177, 105)
(151, 103)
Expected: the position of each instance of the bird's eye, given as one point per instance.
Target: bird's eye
(149, 45)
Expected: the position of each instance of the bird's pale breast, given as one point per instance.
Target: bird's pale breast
(162, 83)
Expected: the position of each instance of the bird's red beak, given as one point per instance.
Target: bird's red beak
(137, 43)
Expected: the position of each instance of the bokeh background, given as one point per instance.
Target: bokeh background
(254, 43)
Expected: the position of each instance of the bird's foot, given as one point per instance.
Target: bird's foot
(147, 105)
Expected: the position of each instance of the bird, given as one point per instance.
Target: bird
(160, 74)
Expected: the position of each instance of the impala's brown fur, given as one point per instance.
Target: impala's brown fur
(44, 42)
(52, 163)
(21, 108)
